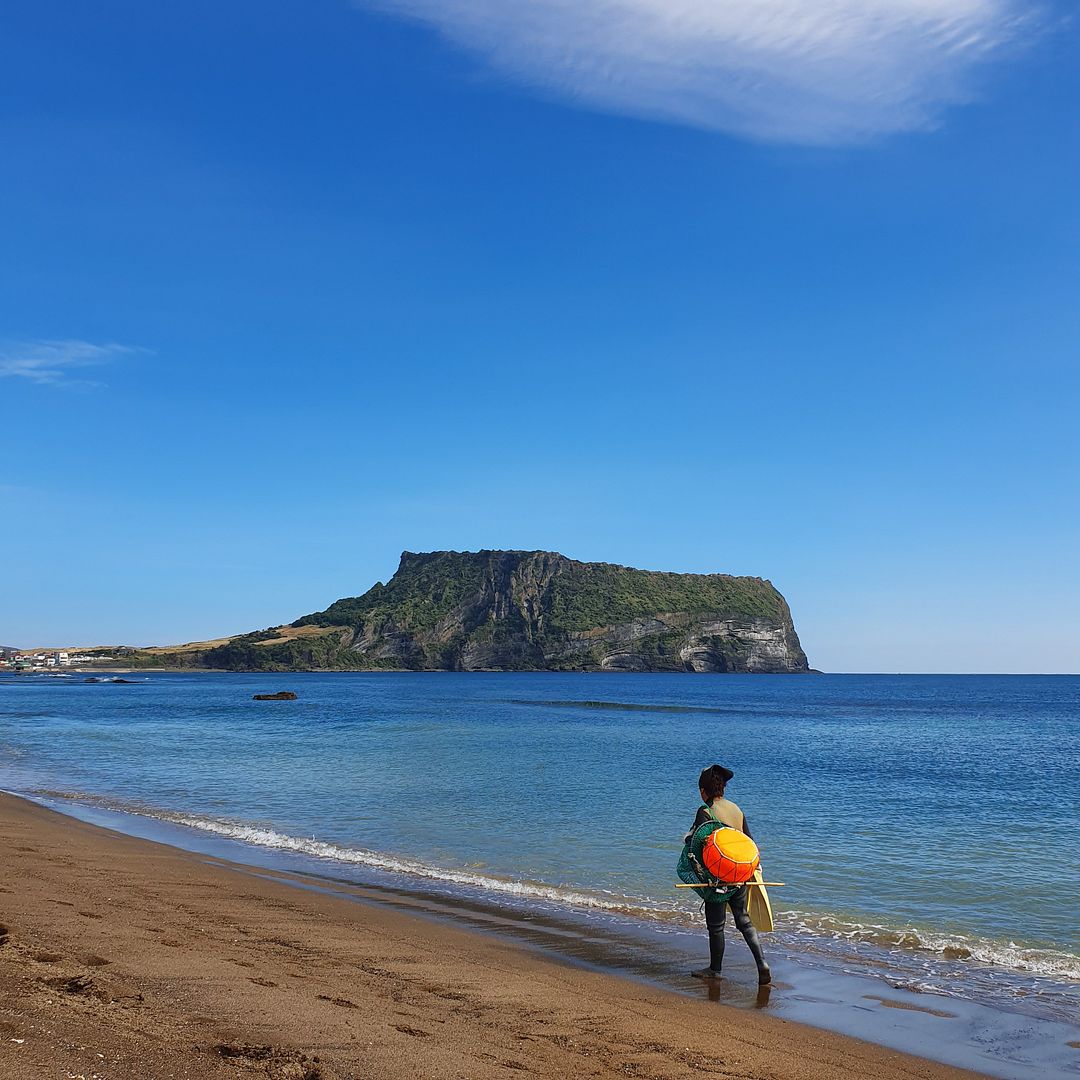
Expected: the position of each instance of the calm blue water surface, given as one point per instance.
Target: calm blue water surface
(930, 813)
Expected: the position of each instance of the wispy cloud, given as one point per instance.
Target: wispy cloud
(802, 71)
(53, 362)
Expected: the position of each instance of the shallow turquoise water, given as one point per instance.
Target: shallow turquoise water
(927, 820)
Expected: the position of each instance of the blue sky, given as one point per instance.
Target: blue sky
(778, 289)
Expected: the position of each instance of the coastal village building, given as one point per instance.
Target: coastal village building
(13, 660)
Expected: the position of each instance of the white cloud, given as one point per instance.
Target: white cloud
(804, 71)
(53, 361)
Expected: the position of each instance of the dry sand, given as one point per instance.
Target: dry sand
(124, 959)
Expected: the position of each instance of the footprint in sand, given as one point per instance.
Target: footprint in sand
(74, 984)
(345, 1003)
(91, 959)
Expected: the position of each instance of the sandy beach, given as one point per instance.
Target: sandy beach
(124, 959)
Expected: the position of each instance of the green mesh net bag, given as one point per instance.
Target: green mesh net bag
(692, 870)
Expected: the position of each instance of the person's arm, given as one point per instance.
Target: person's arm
(703, 815)
(746, 828)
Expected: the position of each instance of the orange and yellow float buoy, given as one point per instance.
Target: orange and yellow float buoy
(730, 856)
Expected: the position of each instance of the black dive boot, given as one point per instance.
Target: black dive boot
(715, 923)
(745, 925)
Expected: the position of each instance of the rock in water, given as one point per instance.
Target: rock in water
(281, 695)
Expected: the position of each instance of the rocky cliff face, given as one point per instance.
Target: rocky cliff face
(537, 610)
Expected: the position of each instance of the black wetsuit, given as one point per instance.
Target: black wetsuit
(716, 915)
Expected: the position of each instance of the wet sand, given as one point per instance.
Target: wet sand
(123, 959)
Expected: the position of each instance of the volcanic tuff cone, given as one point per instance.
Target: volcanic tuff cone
(530, 610)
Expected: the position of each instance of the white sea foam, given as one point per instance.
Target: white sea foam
(1053, 963)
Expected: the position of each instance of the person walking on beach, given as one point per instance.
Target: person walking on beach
(716, 807)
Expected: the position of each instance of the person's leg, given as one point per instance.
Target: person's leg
(743, 923)
(715, 916)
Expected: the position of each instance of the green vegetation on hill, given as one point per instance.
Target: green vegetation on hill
(588, 595)
(423, 591)
(584, 596)
(247, 653)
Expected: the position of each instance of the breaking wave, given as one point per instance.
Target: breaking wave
(960, 948)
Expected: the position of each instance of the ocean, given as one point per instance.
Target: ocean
(926, 826)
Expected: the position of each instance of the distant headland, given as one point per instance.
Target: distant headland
(520, 611)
